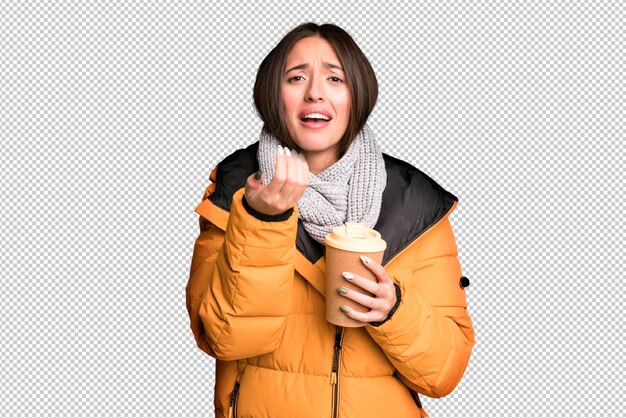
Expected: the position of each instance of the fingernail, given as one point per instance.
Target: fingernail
(344, 309)
(342, 290)
(349, 276)
(281, 151)
(257, 175)
(365, 259)
(287, 152)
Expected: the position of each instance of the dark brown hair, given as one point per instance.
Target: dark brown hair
(359, 73)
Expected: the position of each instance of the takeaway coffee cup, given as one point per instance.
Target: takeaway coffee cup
(344, 246)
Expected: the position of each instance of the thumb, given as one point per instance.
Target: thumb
(255, 180)
(258, 176)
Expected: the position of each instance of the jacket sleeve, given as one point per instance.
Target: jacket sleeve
(240, 285)
(205, 252)
(430, 337)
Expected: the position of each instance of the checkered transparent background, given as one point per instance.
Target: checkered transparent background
(112, 115)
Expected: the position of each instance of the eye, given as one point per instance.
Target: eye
(337, 79)
(294, 77)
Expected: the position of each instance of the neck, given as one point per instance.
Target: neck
(318, 161)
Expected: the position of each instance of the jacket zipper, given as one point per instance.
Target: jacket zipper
(232, 411)
(416, 399)
(334, 376)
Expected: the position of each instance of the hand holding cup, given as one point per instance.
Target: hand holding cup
(367, 294)
(383, 291)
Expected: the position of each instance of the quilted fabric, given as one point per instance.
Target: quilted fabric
(255, 298)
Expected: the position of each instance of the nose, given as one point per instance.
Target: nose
(315, 91)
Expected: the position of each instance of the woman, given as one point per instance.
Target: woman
(256, 289)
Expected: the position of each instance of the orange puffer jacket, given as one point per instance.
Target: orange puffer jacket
(255, 298)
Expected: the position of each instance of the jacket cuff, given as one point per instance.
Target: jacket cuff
(393, 310)
(267, 218)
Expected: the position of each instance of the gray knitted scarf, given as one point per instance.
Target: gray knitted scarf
(349, 190)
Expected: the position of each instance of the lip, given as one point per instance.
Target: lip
(310, 110)
(314, 125)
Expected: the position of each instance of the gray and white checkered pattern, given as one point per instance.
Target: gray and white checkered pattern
(112, 115)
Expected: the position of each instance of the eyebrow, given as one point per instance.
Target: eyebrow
(306, 65)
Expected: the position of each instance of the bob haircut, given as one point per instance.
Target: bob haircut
(359, 75)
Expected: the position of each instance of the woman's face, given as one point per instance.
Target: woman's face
(316, 86)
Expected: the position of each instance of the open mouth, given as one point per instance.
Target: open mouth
(314, 122)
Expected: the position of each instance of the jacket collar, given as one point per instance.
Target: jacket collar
(412, 202)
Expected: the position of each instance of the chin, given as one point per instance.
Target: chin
(312, 147)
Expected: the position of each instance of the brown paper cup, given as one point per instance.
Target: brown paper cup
(355, 240)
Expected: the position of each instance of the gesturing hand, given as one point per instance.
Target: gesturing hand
(290, 180)
(383, 290)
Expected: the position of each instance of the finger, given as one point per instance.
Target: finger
(378, 304)
(377, 269)
(371, 286)
(291, 181)
(274, 186)
(369, 316)
(253, 185)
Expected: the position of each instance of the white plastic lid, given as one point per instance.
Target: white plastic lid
(356, 237)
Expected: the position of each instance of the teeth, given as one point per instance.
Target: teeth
(315, 116)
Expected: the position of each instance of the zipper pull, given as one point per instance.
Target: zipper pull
(338, 340)
(233, 395)
(337, 349)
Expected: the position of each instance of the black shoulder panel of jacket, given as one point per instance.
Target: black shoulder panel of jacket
(232, 174)
(412, 201)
